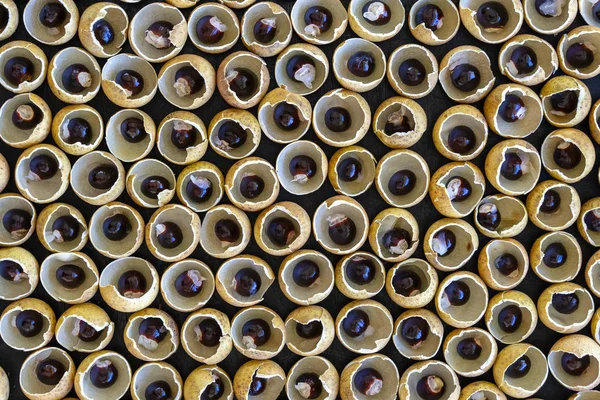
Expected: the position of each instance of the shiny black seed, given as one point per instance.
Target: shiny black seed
(445, 242)
(257, 386)
(29, 323)
(79, 131)
(551, 202)
(430, 15)
(512, 108)
(53, 15)
(592, 220)
(210, 332)
(461, 139)
(396, 240)
(320, 17)
(311, 330)
(355, 323)
(402, 182)
(199, 189)
(555, 255)
(65, 228)
(251, 186)
(361, 64)
(406, 283)
(565, 303)
(76, 78)
(300, 64)
(506, 264)
(116, 227)
(458, 293)
(189, 283)
(459, 189)
(232, 134)
(596, 10)
(265, 30)
(132, 130)
(567, 155)
(492, 15)
(305, 273)
(469, 349)
(87, 333)
(302, 168)
(519, 368)
(227, 230)
(158, 34)
(131, 81)
(368, 381)
(243, 82)
(209, 30)
(103, 177)
(565, 101)
(574, 365)
(153, 185)
(188, 81)
(213, 391)
(169, 235)
(281, 231)
(286, 116)
(27, 116)
(488, 216)
(247, 282)
(103, 31)
(512, 167)
(414, 331)
(465, 77)
(360, 270)
(349, 169)
(158, 390)
(153, 329)
(70, 276)
(17, 222)
(510, 318)
(183, 135)
(131, 284)
(312, 381)
(431, 387)
(50, 371)
(10, 271)
(43, 166)
(376, 13)
(337, 119)
(342, 230)
(258, 330)
(398, 123)
(412, 72)
(579, 55)
(524, 59)
(18, 70)
(103, 374)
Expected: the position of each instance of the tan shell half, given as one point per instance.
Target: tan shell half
(152, 372)
(462, 316)
(60, 62)
(283, 25)
(382, 364)
(316, 292)
(443, 184)
(496, 157)
(243, 118)
(355, 104)
(200, 378)
(565, 137)
(394, 111)
(305, 315)
(226, 16)
(467, 243)
(182, 120)
(51, 36)
(226, 282)
(590, 37)
(24, 138)
(365, 178)
(526, 124)
(470, 368)
(361, 22)
(61, 132)
(301, 184)
(425, 349)
(13, 338)
(406, 52)
(580, 346)
(227, 72)
(564, 216)
(189, 223)
(552, 24)
(182, 303)
(294, 213)
(474, 56)
(306, 85)
(83, 385)
(245, 344)
(266, 116)
(121, 248)
(121, 148)
(222, 249)
(377, 334)
(429, 283)
(51, 238)
(80, 181)
(250, 166)
(593, 121)
(84, 292)
(567, 271)
(511, 298)
(545, 53)
(21, 48)
(323, 368)
(440, 36)
(116, 93)
(13, 201)
(565, 323)
(468, 15)
(68, 325)
(528, 385)
(354, 290)
(268, 370)
(24, 283)
(4, 173)
(460, 115)
(513, 216)
(311, 33)
(560, 84)
(190, 339)
(115, 16)
(199, 173)
(590, 206)
(481, 388)
(488, 270)
(109, 279)
(33, 388)
(345, 77)
(414, 373)
(175, 90)
(387, 220)
(146, 168)
(145, 348)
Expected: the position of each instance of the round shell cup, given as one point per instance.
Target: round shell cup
(565, 323)
(24, 138)
(304, 315)
(354, 290)
(472, 55)
(468, 314)
(398, 107)
(566, 272)
(267, 370)
(316, 292)
(375, 337)
(525, 386)
(323, 368)
(182, 303)
(589, 35)
(189, 223)
(427, 348)
(144, 169)
(183, 120)
(321, 65)
(51, 36)
(250, 61)
(152, 372)
(429, 281)
(226, 280)
(61, 131)
(194, 348)
(150, 350)
(210, 242)
(580, 346)
(12, 201)
(121, 248)
(440, 189)
(527, 124)
(407, 52)
(87, 391)
(311, 33)
(194, 172)
(301, 184)
(266, 115)
(550, 25)
(468, 15)
(243, 118)
(116, 93)
(91, 314)
(167, 81)
(495, 158)
(226, 16)
(341, 58)
(488, 270)
(80, 182)
(467, 243)
(251, 166)
(564, 216)
(513, 214)
(440, 36)
(470, 368)
(33, 388)
(84, 292)
(272, 347)
(9, 29)
(384, 365)
(545, 53)
(13, 338)
(200, 378)
(410, 377)
(511, 298)
(571, 137)
(51, 238)
(121, 148)
(26, 282)
(460, 115)
(386, 220)
(116, 17)
(299, 218)
(283, 33)
(560, 84)
(60, 62)
(21, 48)
(366, 175)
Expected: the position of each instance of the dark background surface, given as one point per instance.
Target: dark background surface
(434, 104)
